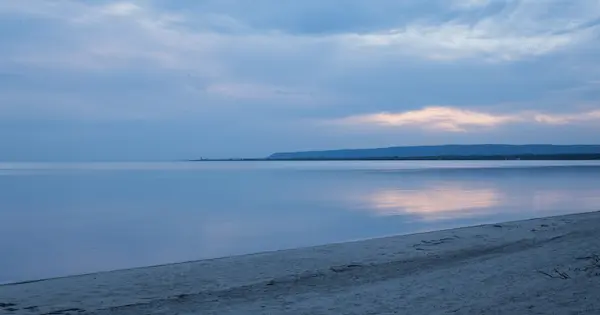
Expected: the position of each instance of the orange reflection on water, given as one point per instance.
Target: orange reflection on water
(434, 203)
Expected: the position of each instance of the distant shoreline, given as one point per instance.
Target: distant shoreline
(521, 157)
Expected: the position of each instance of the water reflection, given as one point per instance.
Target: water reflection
(85, 218)
(481, 195)
(441, 201)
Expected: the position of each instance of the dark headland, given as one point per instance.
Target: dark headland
(443, 152)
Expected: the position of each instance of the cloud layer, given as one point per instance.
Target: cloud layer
(271, 71)
(450, 119)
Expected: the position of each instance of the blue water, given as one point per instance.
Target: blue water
(65, 219)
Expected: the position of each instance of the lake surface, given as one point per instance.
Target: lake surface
(65, 219)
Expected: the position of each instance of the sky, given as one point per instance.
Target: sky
(161, 80)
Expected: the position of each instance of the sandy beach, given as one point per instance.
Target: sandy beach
(539, 266)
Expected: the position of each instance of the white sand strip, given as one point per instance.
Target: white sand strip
(540, 266)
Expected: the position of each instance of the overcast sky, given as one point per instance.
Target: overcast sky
(163, 79)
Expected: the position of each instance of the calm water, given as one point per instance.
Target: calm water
(63, 219)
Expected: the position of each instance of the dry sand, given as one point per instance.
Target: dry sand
(540, 266)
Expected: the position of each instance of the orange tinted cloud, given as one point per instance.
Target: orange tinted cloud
(562, 119)
(439, 118)
(452, 119)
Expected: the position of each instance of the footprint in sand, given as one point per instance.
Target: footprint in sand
(432, 243)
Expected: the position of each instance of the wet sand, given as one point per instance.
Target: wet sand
(539, 266)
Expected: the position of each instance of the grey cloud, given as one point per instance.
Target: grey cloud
(312, 16)
(200, 75)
